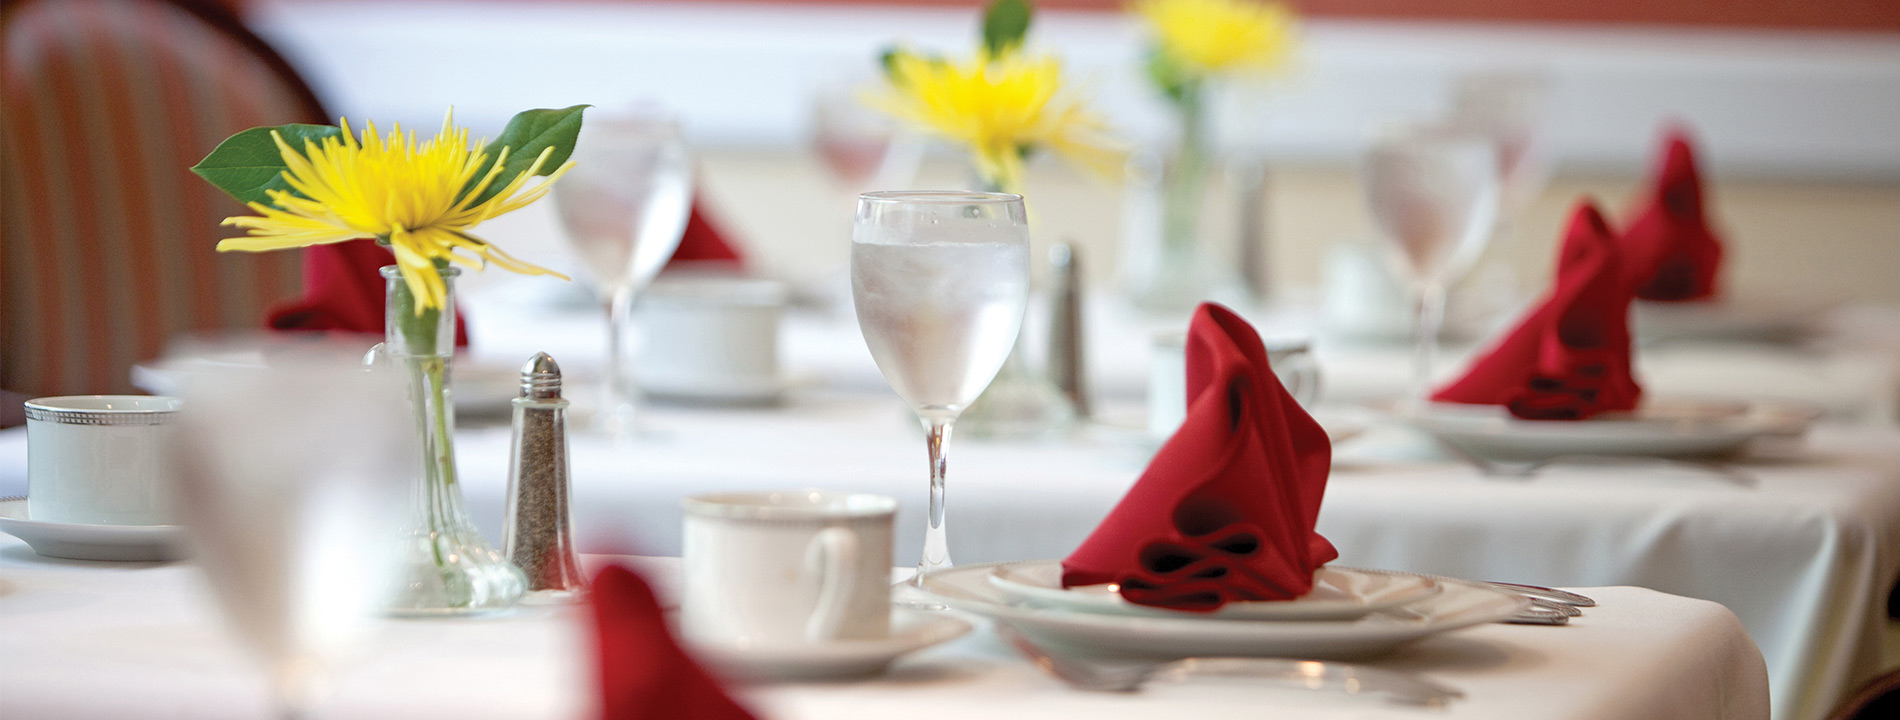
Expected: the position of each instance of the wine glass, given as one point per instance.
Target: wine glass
(940, 281)
(624, 206)
(1434, 191)
(293, 480)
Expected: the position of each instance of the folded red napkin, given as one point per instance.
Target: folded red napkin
(343, 290)
(703, 241)
(1226, 510)
(1673, 254)
(1569, 358)
(643, 673)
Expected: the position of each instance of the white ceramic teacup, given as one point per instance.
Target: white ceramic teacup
(1291, 358)
(774, 569)
(100, 459)
(711, 338)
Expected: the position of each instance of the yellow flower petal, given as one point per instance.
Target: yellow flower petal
(999, 108)
(1213, 36)
(396, 188)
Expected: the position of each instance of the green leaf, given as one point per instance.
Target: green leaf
(888, 61)
(1173, 80)
(247, 165)
(1005, 24)
(528, 133)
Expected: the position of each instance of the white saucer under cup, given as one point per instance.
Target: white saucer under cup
(100, 459)
(786, 569)
(711, 338)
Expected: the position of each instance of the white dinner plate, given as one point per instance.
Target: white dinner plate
(1460, 604)
(75, 541)
(1338, 594)
(911, 630)
(1666, 428)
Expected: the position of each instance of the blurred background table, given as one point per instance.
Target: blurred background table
(131, 641)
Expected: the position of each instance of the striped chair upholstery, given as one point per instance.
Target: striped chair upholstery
(106, 238)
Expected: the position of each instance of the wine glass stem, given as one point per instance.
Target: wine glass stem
(619, 407)
(1430, 300)
(936, 545)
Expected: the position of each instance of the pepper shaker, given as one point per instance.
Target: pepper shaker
(540, 534)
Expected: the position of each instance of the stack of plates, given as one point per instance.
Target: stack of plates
(1350, 614)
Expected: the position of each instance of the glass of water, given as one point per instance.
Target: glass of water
(940, 281)
(1434, 191)
(624, 206)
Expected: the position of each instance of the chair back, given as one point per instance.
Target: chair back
(107, 240)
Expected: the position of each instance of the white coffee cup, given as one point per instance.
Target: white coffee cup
(712, 338)
(100, 459)
(774, 569)
(1291, 358)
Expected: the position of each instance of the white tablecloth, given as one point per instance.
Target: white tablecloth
(93, 640)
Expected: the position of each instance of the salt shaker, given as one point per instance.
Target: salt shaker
(540, 534)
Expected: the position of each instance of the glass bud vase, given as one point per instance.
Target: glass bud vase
(1169, 270)
(450, 568)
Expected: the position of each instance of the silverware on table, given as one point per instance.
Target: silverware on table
(1552, 595)
(1127, 676)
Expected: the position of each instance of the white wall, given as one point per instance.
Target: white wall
(1775, 104)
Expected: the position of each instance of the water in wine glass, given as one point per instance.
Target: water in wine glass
(940, 280)
(940, 317)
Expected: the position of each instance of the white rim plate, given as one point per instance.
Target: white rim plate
(1460, 604)
(75, 541)
(911, 631)
(1338, 594)
(1665, 428)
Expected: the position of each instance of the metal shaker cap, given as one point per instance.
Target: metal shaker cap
(541, 377)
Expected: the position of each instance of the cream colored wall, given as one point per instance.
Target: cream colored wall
(1785, 237)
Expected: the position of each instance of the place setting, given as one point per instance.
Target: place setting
(1560, 383)
(1212, 552)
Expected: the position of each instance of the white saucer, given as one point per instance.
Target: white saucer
(124, 543)
(1338, 594)
(911, 630)
(1461, 604)
(1668, 428)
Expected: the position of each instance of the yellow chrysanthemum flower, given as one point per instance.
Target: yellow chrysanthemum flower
(1214, 36)
(408, 195)
(1002, 108)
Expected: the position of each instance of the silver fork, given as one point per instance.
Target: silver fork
(1128, 676)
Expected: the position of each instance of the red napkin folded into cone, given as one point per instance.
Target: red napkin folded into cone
(1569, 358)
(644, 675)
(343, 291)
(703, 241)
(1226, 510)
(1673, 253)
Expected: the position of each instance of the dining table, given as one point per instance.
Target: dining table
(1799, 539)
(82, 639)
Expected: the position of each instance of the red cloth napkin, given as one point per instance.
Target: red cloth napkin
(1226, 509)
(703, 241)
(1569, 358)
(644, 675)
(1673, 254)
(343, 291)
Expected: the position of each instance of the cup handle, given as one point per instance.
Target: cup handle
(833, 554)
